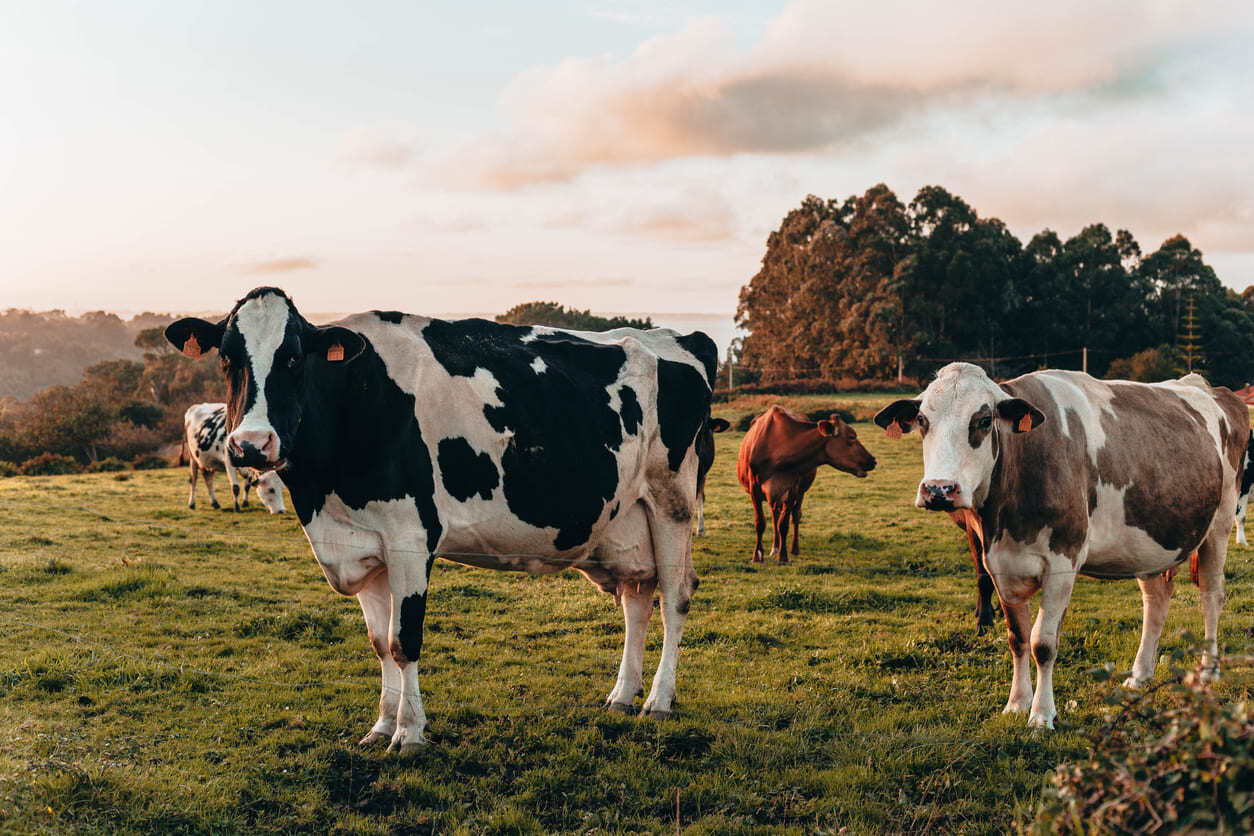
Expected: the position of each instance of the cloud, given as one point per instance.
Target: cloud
(691, 215)
(389, 147)
(823, 75)
(561, 284)
(282, 265)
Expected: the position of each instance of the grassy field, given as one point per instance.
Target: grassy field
(190, 671)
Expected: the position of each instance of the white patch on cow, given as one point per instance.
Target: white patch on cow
(1118, 550)
(262, 322)
(538, 366)
(349, 543)
(948, 403)
(1087, 398)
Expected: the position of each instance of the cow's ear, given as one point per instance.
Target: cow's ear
(1020, 414)
(718, 425)
(827, 427)
(336, 344)
(898, 417)
(194, 336)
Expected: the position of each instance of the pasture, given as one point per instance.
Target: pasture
(191, 671)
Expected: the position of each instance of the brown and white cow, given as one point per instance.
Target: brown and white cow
(1062, 474)
(779, 457)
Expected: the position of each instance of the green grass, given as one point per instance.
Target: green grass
(190, 671)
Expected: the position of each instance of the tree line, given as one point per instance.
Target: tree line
(873, 288)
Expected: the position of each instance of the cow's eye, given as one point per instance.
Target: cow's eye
(922, 421)
(293, 361)
(985, 422)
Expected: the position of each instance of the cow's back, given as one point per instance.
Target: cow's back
(204, 428)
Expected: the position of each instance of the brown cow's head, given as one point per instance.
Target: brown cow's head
(961, 416)
(842, 448)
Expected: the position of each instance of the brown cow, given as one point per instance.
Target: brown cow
(778, 459)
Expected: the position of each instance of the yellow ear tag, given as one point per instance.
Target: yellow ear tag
(893, 430)
(1025, 423)
(335, 352)
(192, 347)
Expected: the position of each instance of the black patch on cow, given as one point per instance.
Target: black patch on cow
(683, 402)
(559, 467)
(699, 345)
(391, 317)
(1247, 479)
(357, 436)
(630, 410)
(413, 613)
(1043, 653)
(211, 429)
(465, 472)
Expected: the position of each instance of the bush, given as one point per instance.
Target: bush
(126, 441)
(8, 469)
(1148, 366)
(108, 465)
(1181, 762)
(49, 464)
(149, 461)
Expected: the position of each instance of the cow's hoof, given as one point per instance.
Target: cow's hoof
(1013, 707)
(783, 560)
(216, 505)
(404, 743)
(1135, 683)
(372, 737)
(1209, 674)
(1040, 721)
(620, 708)
(654, 714)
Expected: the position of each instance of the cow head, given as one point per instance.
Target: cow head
(842, 448)
(961, 417)
(269, 353)
(270, 489)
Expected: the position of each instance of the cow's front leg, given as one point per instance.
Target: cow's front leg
(407, 580)
(1055, 596)
(637, 609)
(233, 477)
(1018, 628)
(1155, 598)
(1210, 585)
(376, 605)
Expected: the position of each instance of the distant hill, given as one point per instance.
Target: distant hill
(41, 348)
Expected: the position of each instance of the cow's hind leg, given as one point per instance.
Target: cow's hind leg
(637, 609)
(672, 550)
(376, 605)
(1240, 519)
(1155, 598)
(1210, 583)
(701, 514)
(795, 515)
(208, 477)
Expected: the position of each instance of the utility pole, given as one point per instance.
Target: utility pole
(730, 382)
(1084, 359)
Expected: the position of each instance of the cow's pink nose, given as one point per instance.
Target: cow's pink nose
(249, 446)
(938, 494)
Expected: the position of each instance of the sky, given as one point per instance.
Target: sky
(622, 156)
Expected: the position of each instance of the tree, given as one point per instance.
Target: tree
(557, 316)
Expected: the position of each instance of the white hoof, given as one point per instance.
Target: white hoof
(1017, 706)
(1135, 683)
(405, 742)
(1040, 721)
(372, 737)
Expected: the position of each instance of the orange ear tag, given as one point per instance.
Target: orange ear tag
(1025, 423)
(335, 352)
(893, 430)
(192, 347)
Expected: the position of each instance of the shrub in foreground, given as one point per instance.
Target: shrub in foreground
(1173, 759)
(8, 469)
(49, 464)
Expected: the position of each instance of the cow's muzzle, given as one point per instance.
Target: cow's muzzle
(939, 495)
(254, 448)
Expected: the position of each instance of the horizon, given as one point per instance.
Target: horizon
(168, 157)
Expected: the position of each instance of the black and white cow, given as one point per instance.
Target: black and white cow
(1064, 474)
(204, 431)
(403, 438)
(1247, 482)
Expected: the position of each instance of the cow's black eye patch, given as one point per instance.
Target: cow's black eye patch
(981, 424)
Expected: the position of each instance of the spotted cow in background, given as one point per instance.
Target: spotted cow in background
(204, 431)
(403, 438)
(1061, 474)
